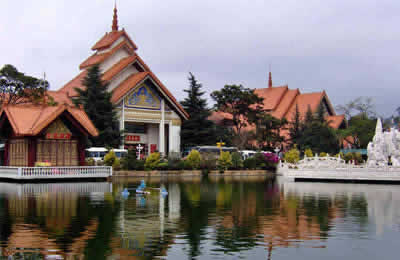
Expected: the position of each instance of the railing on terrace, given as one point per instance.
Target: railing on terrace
(336, 168)
(55, 172)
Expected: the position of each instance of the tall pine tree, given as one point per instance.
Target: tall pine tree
(197, 130)
(96, 101)
(295, 130)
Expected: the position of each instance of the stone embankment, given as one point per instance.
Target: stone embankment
(191, 173)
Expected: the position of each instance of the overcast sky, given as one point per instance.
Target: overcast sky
(348, 48)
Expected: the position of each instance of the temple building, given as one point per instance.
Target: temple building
(148, 113)
(281, 101)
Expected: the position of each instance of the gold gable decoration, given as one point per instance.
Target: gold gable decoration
(58, 130)
(143, 97)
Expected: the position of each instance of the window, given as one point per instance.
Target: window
(135, 128)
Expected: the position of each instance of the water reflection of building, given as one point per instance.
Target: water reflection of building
(42, 218)
(146, 223)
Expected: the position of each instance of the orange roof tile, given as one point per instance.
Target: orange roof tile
(128, 84)
(303, 101)
(29, 119)
(118, 67)
(109, 38)
(272, 96)
(335, 121)
(76, 82)
(286, 102)
(99, 58)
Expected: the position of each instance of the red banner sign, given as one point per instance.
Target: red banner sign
(58, 136)
(132, 138)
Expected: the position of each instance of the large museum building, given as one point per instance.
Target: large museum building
(148, 112)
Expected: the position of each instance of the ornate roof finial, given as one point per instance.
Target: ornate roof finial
(270, 79)
(115, 19)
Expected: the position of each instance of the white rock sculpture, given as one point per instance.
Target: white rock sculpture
(384, 145)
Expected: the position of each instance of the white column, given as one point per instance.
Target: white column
(162, 129)
(122, 122)
(170, 138)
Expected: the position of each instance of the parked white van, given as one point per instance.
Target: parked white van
(98, 153)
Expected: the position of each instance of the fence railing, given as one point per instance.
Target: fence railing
(55, 172)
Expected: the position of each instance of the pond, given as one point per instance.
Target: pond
(209, 218)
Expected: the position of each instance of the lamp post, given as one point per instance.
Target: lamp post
(139, 149)
(219, 145)
(276, 150)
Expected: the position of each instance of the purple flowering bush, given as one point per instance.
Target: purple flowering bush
(271, 160)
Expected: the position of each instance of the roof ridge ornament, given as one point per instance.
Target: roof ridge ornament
(115, 19)
(270, 80)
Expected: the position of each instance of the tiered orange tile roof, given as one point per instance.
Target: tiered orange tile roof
(76, 82)
(109, 38)
(281, 103)
(98, 58)
(118, 67)
(31, 119)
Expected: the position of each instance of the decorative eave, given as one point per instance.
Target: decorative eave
(98, 58)
(109, 38)
(40, 116)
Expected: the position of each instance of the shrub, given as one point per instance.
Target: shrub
(250, 163)
(174, 163)
(110, 158)
(208, 162)
(358, 157)
(224, 161)
(271, 160)
(323, 154)
(348, 157)
(237, 161)
(152, 161)
(139, 165)
(129, 161)
(260, 160)
(193, 160)
(163, 165)
(292, 156)
(341, 155)
(116, 165)
(308, 152)
(90, 162)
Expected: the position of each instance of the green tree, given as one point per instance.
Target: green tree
(197, 130)
(242, 104)
(361, 129)
(295, 127)
(309, 118)
(268, 131)
(321, 113)
(18, 88)
(96, 101)
(319, 137)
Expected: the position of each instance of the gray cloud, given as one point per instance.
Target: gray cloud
(348, 48)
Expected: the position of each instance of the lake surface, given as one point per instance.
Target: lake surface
(212, 218)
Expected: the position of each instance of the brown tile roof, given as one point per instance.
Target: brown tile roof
(118, 67)
(128, 84)
(30, 119)
(285, 104)
(76, 82)
(335, 121)
(303, 101)
(272, 96)
(109, 38)
(98, 58)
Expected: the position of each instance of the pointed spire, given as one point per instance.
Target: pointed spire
(115, 19)
(270, 80)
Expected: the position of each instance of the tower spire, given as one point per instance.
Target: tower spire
(270, 79)
(115, 19)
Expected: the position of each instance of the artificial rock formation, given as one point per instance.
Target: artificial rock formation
(385, 147)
